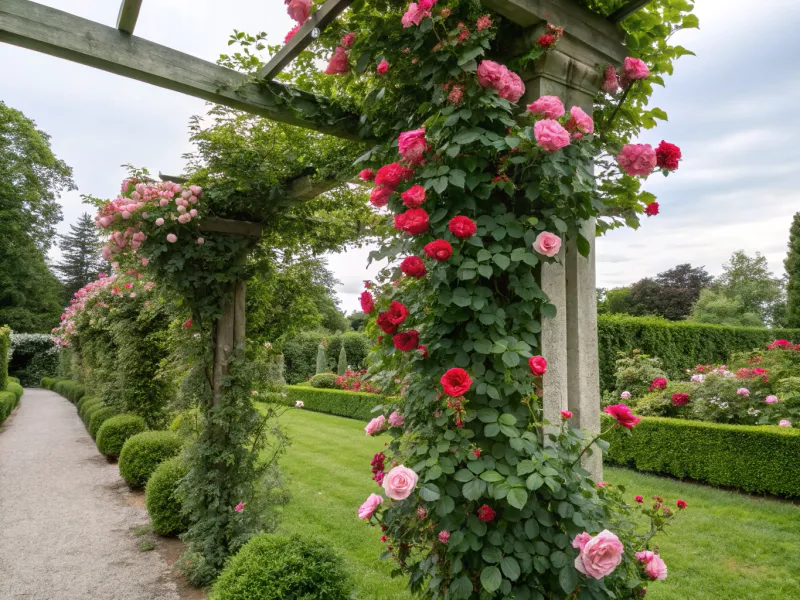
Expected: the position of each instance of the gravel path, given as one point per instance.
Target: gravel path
(66, 515)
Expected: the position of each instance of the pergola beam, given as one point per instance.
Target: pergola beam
(626, 10)
(128, 15)
(61, 34)
(303, 38)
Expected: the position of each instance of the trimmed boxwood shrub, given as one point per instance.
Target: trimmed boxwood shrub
(271, 567)
(89, 412)
(113, 434)
(757, 459)
(5, 342)
(324, 381)
(356, 405)
(164, 502)
(47, 383)
(300, 352)
(86, 407)
(8, 401)
(15, 388)
(143, 452)
(97, 417)
(72, 390)
(679, 344)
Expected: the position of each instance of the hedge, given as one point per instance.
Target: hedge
(72, 390)
(5, 342)
(300, 353)
(33, 356)
(115, 432)
(758, 459)
(8, 402)
(15, 388)
(679, 344)
(143, 452)
(97, 417)
(356, 405)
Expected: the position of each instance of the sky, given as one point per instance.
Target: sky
(729, 111)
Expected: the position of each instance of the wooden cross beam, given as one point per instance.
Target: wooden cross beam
(626, 10)
(128, 15)
(301, 40)
(61, 34)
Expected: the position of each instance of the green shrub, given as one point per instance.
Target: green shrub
(70, 389)
(356, 405)
(322, 361)
(5, 343)
(13, 379)
(324, 381)
(300, 352)
(143, 452)
(88, 407)
(757, 459)
(8, 401)
(33, 355)
(99, 416)
(679, 344)
(113, 434)
(271, 567)
(47, 382)
(164, 502)
(14, 388)
(341, 366)
(84, 401)
(187, 423)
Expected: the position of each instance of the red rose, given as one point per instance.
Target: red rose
(659, 383)
(414, 196)
(462, 227)
(651, 210)
(392, 175)
(639, 499)
(667, 156)
(367, 175)
(406, 341)
(623, 415)
(538, 365)
(477, 452)
(486, 513)
(440, 250)
(385, 323)
(397, 313)
(456, 382)
(415, 220)
(367, 302)
(399, 220)
(413, 267)
(546, 41)
(680, 399)
(423, 350)
(379, 196)
(566, 414)
(681, 504)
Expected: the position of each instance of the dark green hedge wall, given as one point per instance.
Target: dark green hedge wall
(679, 344)
(5, 342)
(355, 405)
(754, 459)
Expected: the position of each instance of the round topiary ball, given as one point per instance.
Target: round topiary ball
(324, 380)
(85, 404)
(143, 452)
(163, 502)
(96, 417)
(271, 567)
(15, 388)
(89, 409)
(113, 434)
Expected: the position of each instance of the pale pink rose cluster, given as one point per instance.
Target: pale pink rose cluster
(599, 555)
(398, 484)
(298, 10)
(416, 12)
(654, 566)
(549, 132)
(412, 145)
(633, 69)
(376, 425)
(547, 243)
(637, 159)
(496, 76)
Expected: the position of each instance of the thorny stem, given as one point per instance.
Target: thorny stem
(590, 444)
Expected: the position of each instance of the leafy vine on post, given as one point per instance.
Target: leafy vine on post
(478, 501)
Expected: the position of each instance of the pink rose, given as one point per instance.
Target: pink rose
(771, 399)
(298, 10)
(581, 540)
(634, 68)
(547, 243)
(396, 419)
(654, 566)
(637, 159)
(377, 425)
(416, 13)
(370, 506)
(582, 121)
(625, 395)
(512, 88)
(159, 221)
(743, 392)
(400, 482)
(201, 241)
(383, 66)
(552, 136)
(412, 145)
(172, 238)
(339, 63)
(490, 74)
(549, 106)
(348, 39)
(145, 261)
(600, 555)
(784, 423)
(610, 80)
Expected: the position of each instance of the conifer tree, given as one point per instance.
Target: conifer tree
(80, 255)
(792, 266)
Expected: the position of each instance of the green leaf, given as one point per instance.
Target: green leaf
(461, 588)
(532, 528)
(474, 489)
(464, 475)
(469, 55)
(440, 184)
(429, 492)
(512, 141)
(510, 566)
(534, 482)
(511, 359)
(487, 415)
(457, 178)
(492, 429)
(584, 247)
(445, 506)
(501, 260)
(492, 476)
(467, 137)
(518, 498)
(548, 310)
(568, 579)
(485, 270)
(491, 579)
(461, 297)
(492, 554)
(433, 473)
(507, 419)
(363, 62)
(483, 255)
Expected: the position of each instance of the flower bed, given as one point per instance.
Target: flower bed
(753, 459)
(355, 405)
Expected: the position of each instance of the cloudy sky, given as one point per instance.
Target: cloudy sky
(730, 110)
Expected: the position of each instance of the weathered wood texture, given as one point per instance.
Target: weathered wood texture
(128, 15)
(302, 39)
(626, 10)
(589, 28)
(229, 334)
(61, 34)
(233, 227)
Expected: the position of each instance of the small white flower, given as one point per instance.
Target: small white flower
(196, 336)
(298, 404)
(267, 345)
(724, 405)
(254, 393)
(698, 378)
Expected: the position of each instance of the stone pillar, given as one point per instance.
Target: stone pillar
(573, 71)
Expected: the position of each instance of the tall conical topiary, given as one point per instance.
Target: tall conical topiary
(792, 265)
(321, 363)
(342, 366)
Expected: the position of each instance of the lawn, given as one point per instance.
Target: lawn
(726, 545)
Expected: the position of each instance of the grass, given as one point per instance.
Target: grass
(725, 545)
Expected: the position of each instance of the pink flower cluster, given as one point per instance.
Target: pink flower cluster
(298, 10)
(416, 12)
(550, 134)
(507, 83)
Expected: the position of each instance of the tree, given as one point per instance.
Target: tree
(716, 308)
(80, 255)
(31, 180)
(792, 266)
(749, 280)
(358, 320)
(341, 366)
